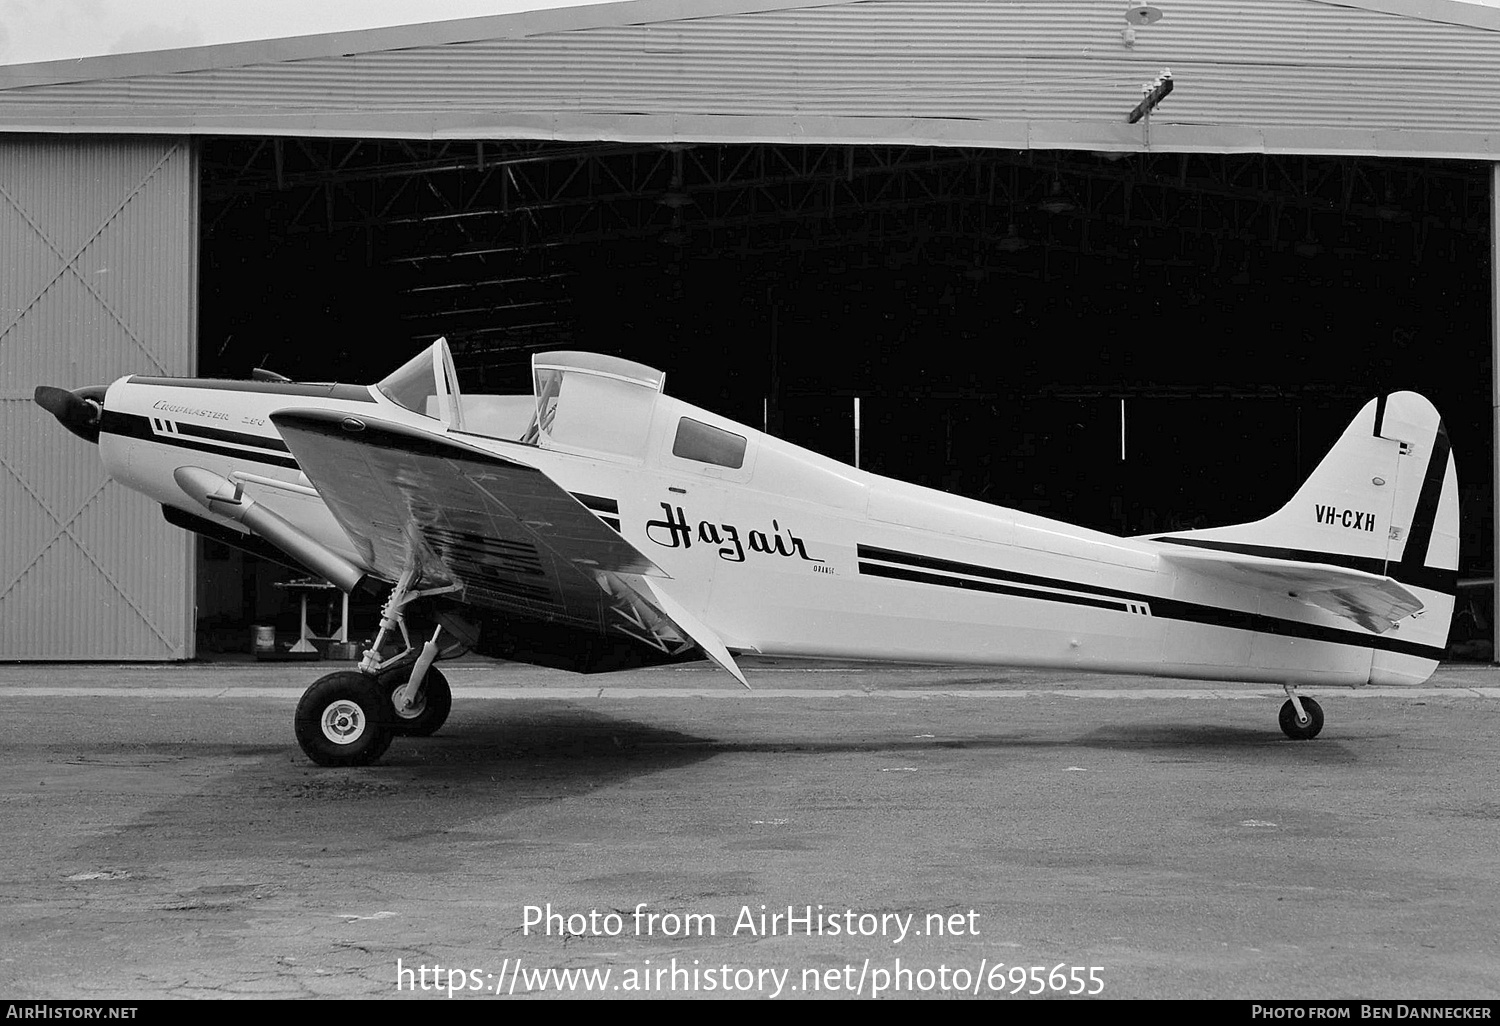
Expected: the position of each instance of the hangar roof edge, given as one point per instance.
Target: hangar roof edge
(108, 67)
(392, 37)
(1380, 77)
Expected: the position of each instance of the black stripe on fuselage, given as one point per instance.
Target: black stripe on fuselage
(237, 437)
(1215, 616)
(1172, 609)
(130, 425)
(607, 510)
(598, 503)
(990, 587)
(1418, 576)
(955, 567)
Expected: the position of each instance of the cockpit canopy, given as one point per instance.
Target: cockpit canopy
(581, 401)
(592, 402)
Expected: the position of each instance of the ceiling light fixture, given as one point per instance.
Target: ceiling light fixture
(1138, 14)
(1011, 243)
(1057, 201)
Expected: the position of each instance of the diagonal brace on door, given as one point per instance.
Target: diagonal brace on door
(65, 528)
(71, 263)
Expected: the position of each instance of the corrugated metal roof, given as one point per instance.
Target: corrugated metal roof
(1306, 75)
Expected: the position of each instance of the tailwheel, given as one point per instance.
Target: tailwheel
(343, 720)
(1301, 728)
(425, 713)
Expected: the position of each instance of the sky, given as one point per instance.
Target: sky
(46, 30)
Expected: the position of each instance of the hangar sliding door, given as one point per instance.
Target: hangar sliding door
(98, 278)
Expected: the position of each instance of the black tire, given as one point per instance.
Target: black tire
(1300, 731)
(342, 720)
(434, 702)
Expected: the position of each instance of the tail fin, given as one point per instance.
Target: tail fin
(1385, 501)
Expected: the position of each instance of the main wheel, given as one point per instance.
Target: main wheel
(434, 702)
(1301, 731)
(342, 720)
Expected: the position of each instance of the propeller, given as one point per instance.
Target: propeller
(79, 411)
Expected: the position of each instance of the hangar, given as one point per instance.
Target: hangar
(936, 206)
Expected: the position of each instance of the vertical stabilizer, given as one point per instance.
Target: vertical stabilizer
(1384, 500)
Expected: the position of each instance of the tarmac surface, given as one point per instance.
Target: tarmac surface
(162, 835)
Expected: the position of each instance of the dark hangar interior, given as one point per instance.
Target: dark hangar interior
(1132, 342)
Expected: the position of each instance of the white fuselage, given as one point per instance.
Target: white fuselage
(794, 554)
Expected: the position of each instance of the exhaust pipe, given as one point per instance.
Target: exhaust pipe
(221, 496)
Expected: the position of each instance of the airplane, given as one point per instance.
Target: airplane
(599, 524)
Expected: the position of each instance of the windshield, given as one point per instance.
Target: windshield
(413, 385)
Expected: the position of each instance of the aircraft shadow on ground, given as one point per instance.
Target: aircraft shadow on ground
(564, 734)
(275, 804)
(1184, 737)
(270, 802)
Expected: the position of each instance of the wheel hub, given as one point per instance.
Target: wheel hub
(409, 712)
(343, 722)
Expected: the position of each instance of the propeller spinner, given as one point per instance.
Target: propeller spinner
(79, 411)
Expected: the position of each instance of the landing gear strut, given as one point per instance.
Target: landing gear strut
(1301, 718)
(348, 718)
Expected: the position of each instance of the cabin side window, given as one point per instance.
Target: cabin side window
(708, 444)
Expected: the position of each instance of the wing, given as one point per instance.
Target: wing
(503, 529)
(513, 538)
(1374, 602)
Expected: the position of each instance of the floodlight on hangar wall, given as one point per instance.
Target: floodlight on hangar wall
(1138, 14)
(1155, 91)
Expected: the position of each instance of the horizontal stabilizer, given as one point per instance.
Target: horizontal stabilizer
(1374, 602)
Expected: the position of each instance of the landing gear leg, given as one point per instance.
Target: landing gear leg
(420, 700)
(348, 718)
(1301, 718)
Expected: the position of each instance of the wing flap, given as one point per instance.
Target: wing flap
(1374, 602)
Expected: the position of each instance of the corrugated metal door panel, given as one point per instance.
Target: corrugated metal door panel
(98, 251)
